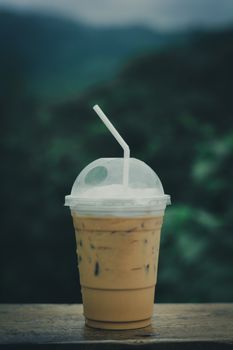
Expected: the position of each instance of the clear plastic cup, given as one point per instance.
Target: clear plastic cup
(117, 232)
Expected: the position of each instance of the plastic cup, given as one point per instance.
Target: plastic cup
(118, 236)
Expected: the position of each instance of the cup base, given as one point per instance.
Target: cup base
(118, 325)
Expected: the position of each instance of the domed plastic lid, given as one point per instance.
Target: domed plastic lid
(99, 188)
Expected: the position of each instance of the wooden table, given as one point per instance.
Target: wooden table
(174, 326)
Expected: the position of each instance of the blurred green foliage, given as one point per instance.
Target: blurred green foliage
(174, 108)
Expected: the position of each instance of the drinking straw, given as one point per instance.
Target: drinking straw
(119, 139)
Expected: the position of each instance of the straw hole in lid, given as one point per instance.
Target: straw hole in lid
(96, 175)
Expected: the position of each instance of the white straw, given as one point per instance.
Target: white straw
(119, 139)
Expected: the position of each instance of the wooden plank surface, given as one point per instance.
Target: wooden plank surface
(182, 326)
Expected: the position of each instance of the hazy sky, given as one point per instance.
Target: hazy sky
(165, 14)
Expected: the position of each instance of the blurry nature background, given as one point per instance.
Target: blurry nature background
(162, 71)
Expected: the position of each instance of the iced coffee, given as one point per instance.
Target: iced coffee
(118, 236)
